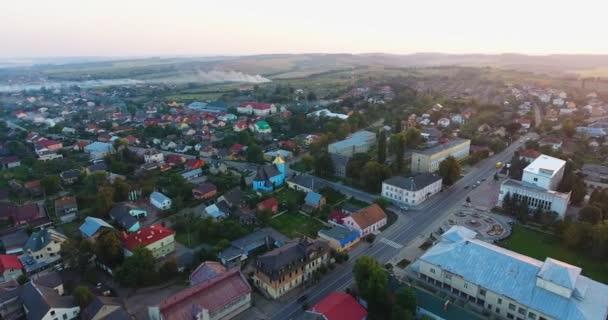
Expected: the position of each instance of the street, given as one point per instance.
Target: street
(419, 221)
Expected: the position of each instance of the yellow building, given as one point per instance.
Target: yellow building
(428, 160)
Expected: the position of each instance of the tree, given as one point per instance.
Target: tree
(83, 296)
(243, 183)
(108, 248)
(591, 214)
(406, 298)
(324, 166)
(398, 127)
(372, 282)
(413, 137)
(50, 184)
(382, 146)
(76, 253)
(397, 147)
(449, 170)
(568, 128)
(523, 211)
(104, 199)
(138, 269)
(311, 96)
(373, 174)
(255, 154)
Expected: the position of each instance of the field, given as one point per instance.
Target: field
(294, 225)
(540, 246)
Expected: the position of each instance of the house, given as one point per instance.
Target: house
(33, 187)
(215, 212)
(314, 200)
(192, 174)
(270, 176)
(11, 306)
(336, 216)
(221, 297)
(411, 190)
(240, 126)
(258, 109)
(280, 270)
(233, 197)
(66, 209)
(182, 148)
(207, 270)
(174, 160)
(204, 191)
(510, 284)
(457, 119)
(358, 142)
(10, 267)
(529, 155)
(484, 128)
(269, 205)
(156, 238)
(14, 242)
(160, 200)
(97, 167)
(105, 308)
(10, 162)
(92, 227)
(43, 302)
(367, 220)
(340, 163)
(152, 155)
(337, 306)
(192, 164)
(554, 142)
(339, 237)
(217, 167)
(595, 176)
(69, 176)
(255, 242)
(48, 155)
(305, 183)
(21, 215)
(127, 215)
(97, 150)
(42, 248)
(47, 145)
(132, 140)
(444, 122)
(261, 127)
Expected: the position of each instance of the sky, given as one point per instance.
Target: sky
(53, 28)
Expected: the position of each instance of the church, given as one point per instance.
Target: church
(270, 176)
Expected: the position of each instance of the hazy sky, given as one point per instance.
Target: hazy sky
(211, 27)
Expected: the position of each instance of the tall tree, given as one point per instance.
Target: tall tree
(108, 248)
(324, 166)
(413, 137)
(83, 296)
(50, 184)
(398, 127)
(568, 128)
(382, 146)
(449, 170)
(255, 154)
(591, 214)
(372, 282)
(138, 270)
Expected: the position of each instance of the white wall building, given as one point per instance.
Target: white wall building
(544, 172)
(411, 190)
(153, 156)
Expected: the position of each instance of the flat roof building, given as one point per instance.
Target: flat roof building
(411, 190)
(428, 160)
(544, 172)
(358, 142)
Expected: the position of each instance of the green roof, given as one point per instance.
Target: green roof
(262, 125)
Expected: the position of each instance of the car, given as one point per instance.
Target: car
(484, 179)
(466, 187)
(404, 208)
(303, 298)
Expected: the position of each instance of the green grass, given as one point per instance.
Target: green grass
(294, 225)
(300, 166)
(71, 228)
(540, 246)
(190, 242)
(286, 195)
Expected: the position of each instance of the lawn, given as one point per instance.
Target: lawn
(294, 225)
(191, 242)
(300, 166)
(539, 245)
(287, 195)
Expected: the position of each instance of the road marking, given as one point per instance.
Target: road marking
(391, 243)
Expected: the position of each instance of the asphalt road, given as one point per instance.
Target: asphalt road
(410, 225)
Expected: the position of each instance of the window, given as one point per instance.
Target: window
(512, 307)
(497, 310)
(521, 311)
(542, 318)
(532, 315)
(432, 271)
(52, 312)
(499, 301)
(466, 285)
(65, 316)
(448, 276)
(510, 316)
(482, 292)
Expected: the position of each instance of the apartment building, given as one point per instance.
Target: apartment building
(428, 160)
(411, 190)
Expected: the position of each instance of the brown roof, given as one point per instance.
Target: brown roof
(65, 201)
(369, 216)
(212, 295)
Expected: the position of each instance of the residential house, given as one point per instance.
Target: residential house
(127, 215)
(10, 267)
(160, 200)
(337, 306)
(339, 237)
(270, 176)
(192, 164)
(269, 205)
(255, 242)
(152, 155)
(457, 119)
(92, 227)
(233, 197)
(258, 109)
(261, 127)
(33, 187)
(217, 167)
(213, 211)
(281, 270)
(10, 162)
(205, 271)
(340, 163)
(240, 126)
(66, 209)
(11, 307)
(156, 238)
(367, 220)
(529, 155)
(70, 176)
(595, 176)
(508, 284)
(411, 190)
(97, 167)
(192, 174)
(14, 242)
(47, 145)
(444, 122)
(44, 302)
(305, 183)
(204, 191)
(97, 150)
(43, 248)
(314, 200)
(105, 308)
(21, 215)
(222, 297)
(554, 142)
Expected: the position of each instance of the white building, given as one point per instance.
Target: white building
(506, 284)
(539, 182)
(544, 172)
(411, 190)
(160, 200)
(328, 114)
(358, 142)
(153, 156)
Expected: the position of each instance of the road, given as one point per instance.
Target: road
(538, 116)
(419, 221)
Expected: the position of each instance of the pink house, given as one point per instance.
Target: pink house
(367, 220)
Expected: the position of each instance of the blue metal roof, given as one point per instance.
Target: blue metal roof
(514, 275)
(91, 225)
(159, 197)
(192, 173)
(98, 147)
(312, 198)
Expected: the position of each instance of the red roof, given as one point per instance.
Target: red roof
(237, 148)
(145, 236)
(339, 306)
(336, 216)
(530, 153)
(268, 203)
(212, 295)
(174, 159)
(194, 163)
(46, 143)
(9, 262)
(255, 105)
(241, 124)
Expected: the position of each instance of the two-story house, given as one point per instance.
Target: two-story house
(156, 238)
(368, 220)
(44, 246)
